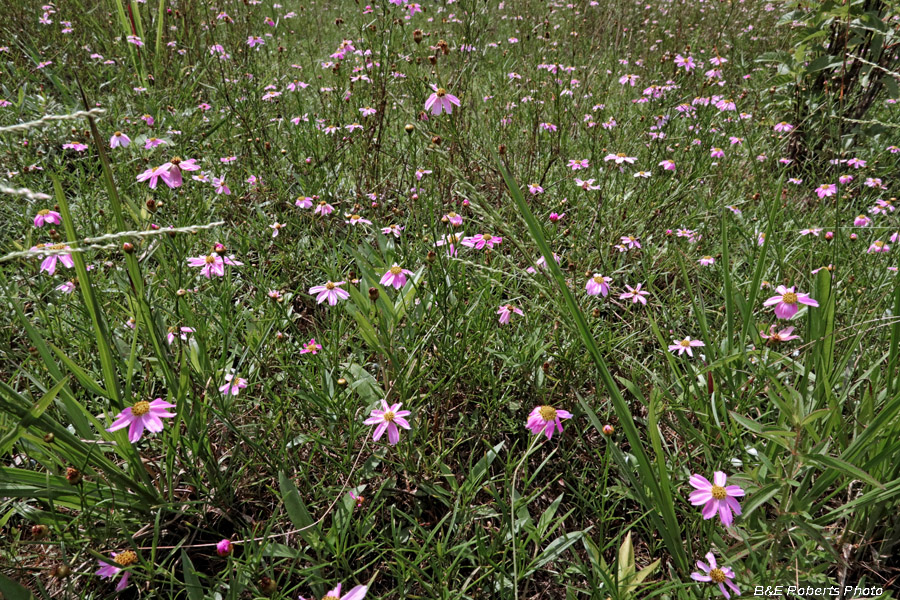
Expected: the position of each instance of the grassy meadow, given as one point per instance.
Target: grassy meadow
(449, 299)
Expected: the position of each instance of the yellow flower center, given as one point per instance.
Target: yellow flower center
(718, 492)
(789, 298)
(329, 286)
(210, 259)
(389, 416)
(139, 409)
(44, 211)
(175, 160)
(717, 575)
(441, 92)
(487, 237)
(128, 557)
(598, 279)
(707, 258)
(354, 217)
(331, 598)
(451, 214)
(117, 134)
(548, 413)
(621, 155)
(879, 243)
(57, 247)
(322, 203)
(395, 270)
(685, 343)
(311, 347)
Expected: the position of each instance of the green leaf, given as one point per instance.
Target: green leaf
(191, 581)
(6, 443)
(10, 590)
(297, 511)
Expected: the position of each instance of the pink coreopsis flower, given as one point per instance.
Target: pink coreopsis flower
(76, 146)
(355, 219)
(862, 221)
(576, 164)
(181, 332)
(629, 241)
(480, 241)
(357, 593)
(276, 227)
(783, 127)
(224, 547)
(546, 420)
(303, 202)
(686, 63)
(153, 175)
(620, 158)
(878, 246)
(535, 189)
(213, 264)
(395, 276)
(825, 190)
(47, 216)
(387, 419)
(153, 142)
(506, 311)
(716, 497)
(233, 385)
(172, 175)
(713, 573)
(441, 101)
(786, 301)
(323, 208)
(635, 294)
(784, 335)
(450, 239)
(685, 345)
(49, 263)
(142, 415)
(221, 188)
(330, 291)
(453, 218)
(311, 347)
(597, 285)
(119, 562)
(394, 229)
(706, 261)
(668, 165)
(119, 139)
(716, 153)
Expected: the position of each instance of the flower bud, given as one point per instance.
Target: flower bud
(417, 36)
(224, 547)
(73, 476)
(61, 571)
(127, 247)
(608, 429)
(267, 585)
(373, 294)
(40, 531)
(49, 438)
